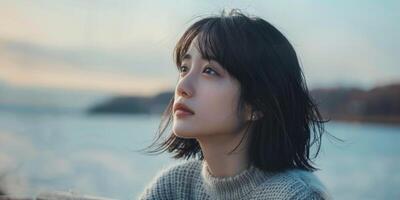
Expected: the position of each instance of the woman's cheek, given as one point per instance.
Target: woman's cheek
(219, 116)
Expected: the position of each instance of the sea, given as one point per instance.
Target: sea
(99, 155)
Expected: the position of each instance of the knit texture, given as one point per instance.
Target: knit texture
(192, 180)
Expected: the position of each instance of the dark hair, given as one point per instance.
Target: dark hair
(271, 80)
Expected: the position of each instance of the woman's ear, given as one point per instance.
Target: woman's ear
(256, 115)
(252, 115)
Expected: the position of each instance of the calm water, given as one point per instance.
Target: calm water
(96, 155)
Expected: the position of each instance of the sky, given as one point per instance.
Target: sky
(125, 46)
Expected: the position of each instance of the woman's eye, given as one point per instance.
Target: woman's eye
(213, 72)
(208, 70)
(182, 69)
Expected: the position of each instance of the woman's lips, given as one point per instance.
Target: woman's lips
(182, 110)
(182, 113)
(182, 107)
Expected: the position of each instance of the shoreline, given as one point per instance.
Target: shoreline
(387, 120)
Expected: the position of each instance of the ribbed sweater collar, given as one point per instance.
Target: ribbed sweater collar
(233, 187)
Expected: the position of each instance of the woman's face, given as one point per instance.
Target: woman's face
(211, 93)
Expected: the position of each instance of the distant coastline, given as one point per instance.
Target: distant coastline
(368, 119)
(377, 105)
(132, 105)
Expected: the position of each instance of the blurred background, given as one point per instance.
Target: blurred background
(83, 83)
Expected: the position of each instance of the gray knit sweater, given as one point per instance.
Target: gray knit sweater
(192, 180)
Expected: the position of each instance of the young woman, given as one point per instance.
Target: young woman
(242, 110)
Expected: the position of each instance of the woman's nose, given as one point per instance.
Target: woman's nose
(184, 88)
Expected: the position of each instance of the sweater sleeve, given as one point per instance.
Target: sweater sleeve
(308, 187)
(306, 192)
(292, 186)
(160, 188)
(310, 195)
(316, 196)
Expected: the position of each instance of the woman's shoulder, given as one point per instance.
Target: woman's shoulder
(178, 175)
(180, 169)
(293, 184)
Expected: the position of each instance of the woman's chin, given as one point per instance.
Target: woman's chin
(184, 133)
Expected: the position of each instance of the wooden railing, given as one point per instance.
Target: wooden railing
(55, 195)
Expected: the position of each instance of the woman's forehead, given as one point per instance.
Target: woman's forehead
(192, 51)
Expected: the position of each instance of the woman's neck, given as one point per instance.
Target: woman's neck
(215, 151)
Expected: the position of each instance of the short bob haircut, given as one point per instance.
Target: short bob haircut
(271, 81)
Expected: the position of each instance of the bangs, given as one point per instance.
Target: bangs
(209, 40)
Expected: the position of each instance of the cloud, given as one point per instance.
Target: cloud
(75, 79)
(25, 64)
(335, 56)
(137, 38)
(127, 59)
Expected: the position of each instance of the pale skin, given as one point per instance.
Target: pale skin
(207, 89)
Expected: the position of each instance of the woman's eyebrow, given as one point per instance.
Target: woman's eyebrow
(186, 56)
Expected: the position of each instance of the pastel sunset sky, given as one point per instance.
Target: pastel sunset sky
(125, 46)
